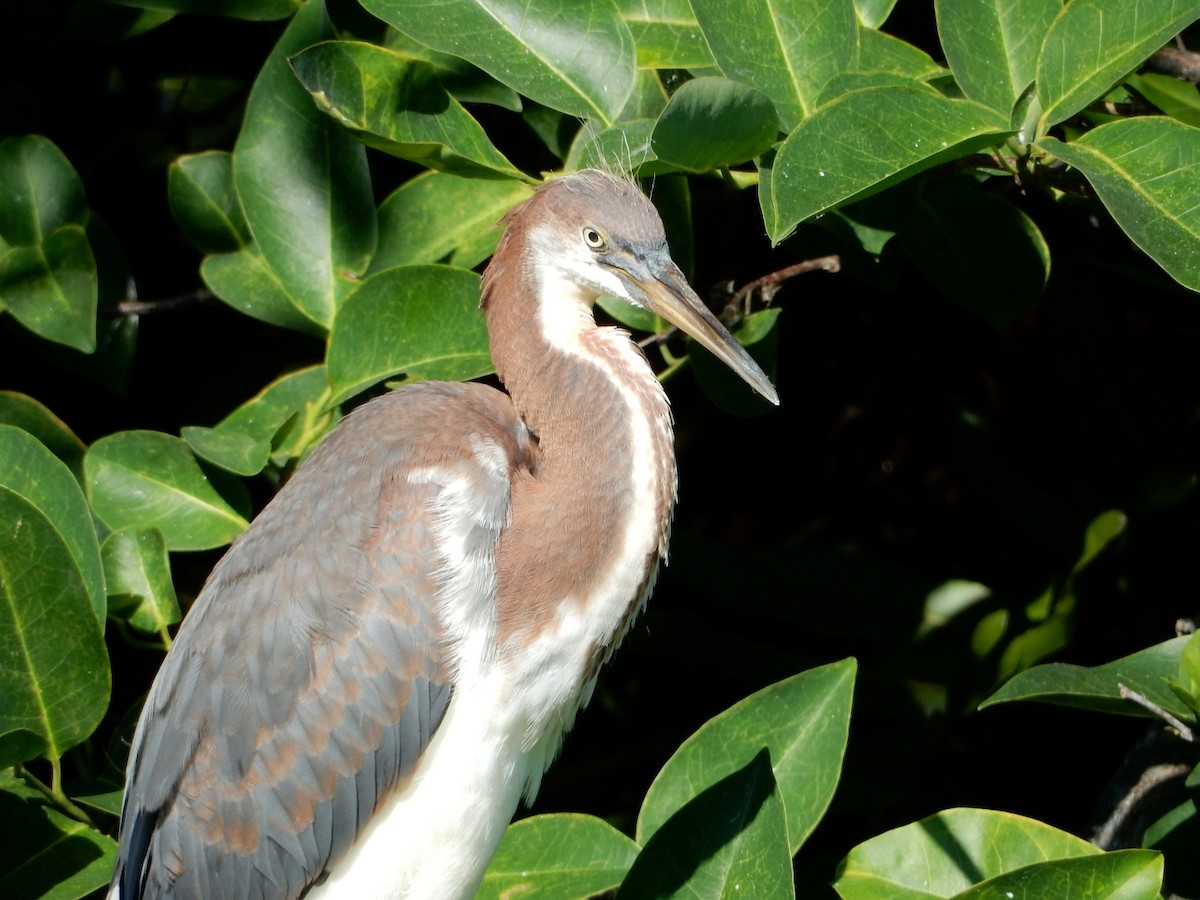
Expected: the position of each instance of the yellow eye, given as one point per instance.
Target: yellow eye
(594, 237)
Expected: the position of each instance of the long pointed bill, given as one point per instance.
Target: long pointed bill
(665, 292)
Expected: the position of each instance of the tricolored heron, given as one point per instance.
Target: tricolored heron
(387, 660)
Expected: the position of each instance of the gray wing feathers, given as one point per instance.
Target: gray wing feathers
(310, 674)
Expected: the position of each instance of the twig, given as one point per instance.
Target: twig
(738, 305)
(144, 307)
(1179, 62)
(1128, 694)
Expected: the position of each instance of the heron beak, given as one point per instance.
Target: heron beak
(665, 292)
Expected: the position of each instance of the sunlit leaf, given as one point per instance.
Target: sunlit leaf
(712, 123)
(246, 282)
(145, 479)
(32, 416)
(666, 33)
(559, 856)
(1092, 43)
(233, 451)
(867, 140)
(1145, 171)
(802, 722)
(54, 674)
(397, 105)
(31, 471)
(437, 217)
(786, 50)
(1097, 687)
(577, 58)
(139, 579)
(418, 321)
(303, 181)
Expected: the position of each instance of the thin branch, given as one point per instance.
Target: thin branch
(1177, 61)
(1184, 731)
(149, 307)
(738, 305)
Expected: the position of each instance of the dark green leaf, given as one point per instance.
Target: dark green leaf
(140, 589)
(730, 840)
(560, 856)
(437, 217)
(1178, 99)
(204, 202)
(947, 853)
(246, 282)
(802, 722)
(54, 674)
(787, 50)
(713, 123)
(31, 471)
(1096, 687)
(397, 105)
(29, 415)
(980, 251)
(233, 451)
(51, 287)
(145, 479)
(1093, 43)
(576, 58)
(666, 33)
(40, 191)
(303, 181)
(867, 140)
(45, 854)
(1120, 875)
(419, 321)
(1145, 171)
(262, 416)
(621, 148)
(992, 45)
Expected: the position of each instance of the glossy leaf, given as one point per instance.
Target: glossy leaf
(576, 58)
(1147, 672)
(145, 479)
(303, 181)
(728, 841)
(1145, 172)
(397, 105)
(666, 33)
(263, 415)
(947, 853)
(246, 282)
(787, 49)
(992, 45)
(30, 470)
(1092, 43)
(29, 415)
(419, 321)
(1120, 875)
(802, 722)
(139, 579)
(867, 140)
(204, 202)
(54, 674)
(51, 287)
(232, 451)
(44, 853)
(873, 13)
(40, 191)
(980, 251)
(436, 218)
(713, 123)
(884, 54)
(560, 856)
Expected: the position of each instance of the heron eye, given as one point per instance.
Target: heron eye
(594, 237)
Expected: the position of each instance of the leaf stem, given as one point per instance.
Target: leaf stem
(54, 793)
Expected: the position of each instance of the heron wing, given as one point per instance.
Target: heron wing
(312, 671)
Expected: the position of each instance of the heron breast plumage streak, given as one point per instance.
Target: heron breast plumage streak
(387, 659)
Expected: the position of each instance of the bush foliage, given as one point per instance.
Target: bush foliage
(222, 225)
